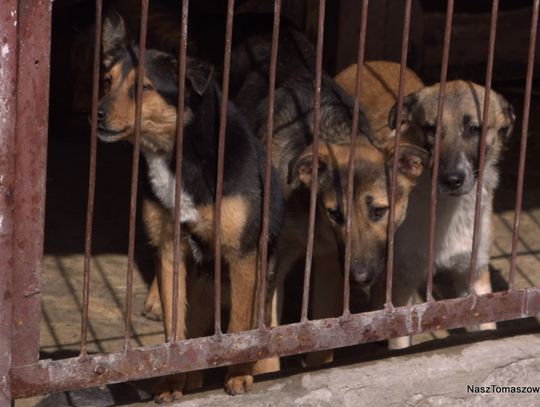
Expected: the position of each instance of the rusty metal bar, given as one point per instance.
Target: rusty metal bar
(91, 179)
(350, 174)
(8, 103)
(437, 149)
(482, 146)
(179, 156)
(194, 354)
(220, 164)
(263, 247)
(523, 143)
(34, 40)
(315, 164)
(135, 176)
(393, 185)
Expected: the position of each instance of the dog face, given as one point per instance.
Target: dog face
(116, 109)
(461, 129)
(369, 215)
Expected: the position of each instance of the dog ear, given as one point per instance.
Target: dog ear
(199, 74)
(408, 104)
(300, 170)
(412, 160)
(114, 34)
(508, 119)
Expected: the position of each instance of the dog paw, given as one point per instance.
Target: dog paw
(169, 389)
(238, 384)
(152, 310)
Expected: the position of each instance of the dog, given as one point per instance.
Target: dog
(242, 190)
(456, 189)
(292, 155)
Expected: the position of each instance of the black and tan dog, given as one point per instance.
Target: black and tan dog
(292, 155)
(242, 188)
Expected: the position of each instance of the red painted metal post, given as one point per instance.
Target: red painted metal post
(34, 40)
(8, 99)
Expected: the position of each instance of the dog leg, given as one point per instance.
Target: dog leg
(242, 272)
(402, 295)
(152, 304)
(482, 285)
(269, 365)
(326, 278)
(171, 388)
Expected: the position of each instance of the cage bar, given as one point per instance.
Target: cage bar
(523, 143)
(482, 147)
(315, 164)
(220, 162)
(350, 174)
(135, 175)
(437, 149)
(178, 170)
(91, 178)
(263, 247)
(393, 185)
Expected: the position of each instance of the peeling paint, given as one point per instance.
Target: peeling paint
(5, 50)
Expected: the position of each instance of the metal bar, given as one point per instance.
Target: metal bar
(179, 156)
(135, 176)
(482, 147)
(8, 103)
(34, 40)
(393, 185)
(437, 148)
(263, 247)
(350, 175)
(220, 164)
(91, 179)
(523, 143)
(315, 164)
(194, 354)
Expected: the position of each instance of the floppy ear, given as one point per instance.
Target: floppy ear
(508, 119)
(199, 74)
(114, 34)
(406, 115)
(412, 160)
(300, 170)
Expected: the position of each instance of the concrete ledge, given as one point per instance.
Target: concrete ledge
(435, 378)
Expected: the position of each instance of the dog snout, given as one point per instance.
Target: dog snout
(453, 180)
(362, 275)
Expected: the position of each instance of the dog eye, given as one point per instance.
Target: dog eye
(107, 83)
(335, 215)
(147, 86)
(377, 212)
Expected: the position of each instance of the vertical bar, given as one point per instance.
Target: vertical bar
(221, 154)
(8, 100)
(350, 175)
(34, 40)
(91, 179)
(437, 148)
(135, 176)
(523, 143)
(482, 147)
(263, 247)
(179, 155)
(315, 165)
(393, 185)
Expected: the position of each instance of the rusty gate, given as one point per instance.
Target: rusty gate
(24, 89)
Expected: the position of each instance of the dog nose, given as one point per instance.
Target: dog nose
(101, 114)
(453, 180)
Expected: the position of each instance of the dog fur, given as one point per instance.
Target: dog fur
(292, 155)
(242, 190)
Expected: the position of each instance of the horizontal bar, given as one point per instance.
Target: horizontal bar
(194, 354)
